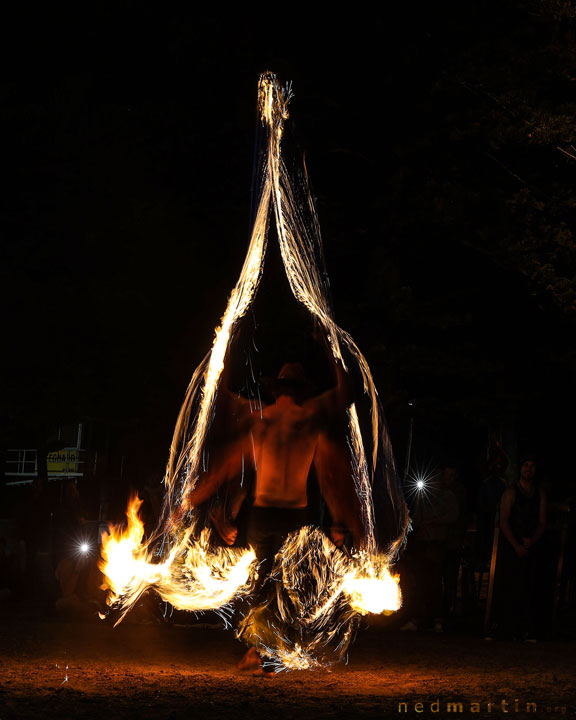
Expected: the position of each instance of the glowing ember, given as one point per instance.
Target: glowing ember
(320, 590)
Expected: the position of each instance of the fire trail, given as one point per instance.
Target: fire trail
(319, 590)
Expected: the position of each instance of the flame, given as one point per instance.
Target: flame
(123, 558)
(372, 588)
(321, 590)
(194, 575)
(310, 615)
(198, 577)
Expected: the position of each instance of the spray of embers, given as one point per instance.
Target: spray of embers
(192, 576)
(319, 590)
(315, 597)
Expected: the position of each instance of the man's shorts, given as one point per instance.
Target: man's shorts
(268, 528)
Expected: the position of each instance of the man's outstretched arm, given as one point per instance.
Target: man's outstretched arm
(233, 411)
(332, 403)
(226, 464)
(336, 483)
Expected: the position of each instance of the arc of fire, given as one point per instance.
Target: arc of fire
(185, 569)
(298, 241)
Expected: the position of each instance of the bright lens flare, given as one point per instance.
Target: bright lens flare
(84, 548)
(420, 482)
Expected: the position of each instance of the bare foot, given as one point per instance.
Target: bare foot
(226, 530)
(250, 661)
(253, 661)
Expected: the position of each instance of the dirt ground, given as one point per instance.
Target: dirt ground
(89, 670)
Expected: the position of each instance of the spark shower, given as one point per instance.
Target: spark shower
(321, 590)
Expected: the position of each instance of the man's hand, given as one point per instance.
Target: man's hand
(227, 530)
(521, 551)
(337, 534)
(230, 534)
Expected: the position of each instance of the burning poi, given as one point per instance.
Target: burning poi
(306, 611)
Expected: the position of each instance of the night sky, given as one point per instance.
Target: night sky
(434, 140)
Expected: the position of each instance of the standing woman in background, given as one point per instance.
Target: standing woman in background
(523, 523)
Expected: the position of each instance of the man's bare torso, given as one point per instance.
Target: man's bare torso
(285, 439)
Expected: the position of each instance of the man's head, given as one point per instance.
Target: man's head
(291, 380)
(498, 461)
(449, 475)
(528, 470)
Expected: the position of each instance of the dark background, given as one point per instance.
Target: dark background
(439, 142)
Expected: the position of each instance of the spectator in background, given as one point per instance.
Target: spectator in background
(487, 504)
(522, 524)
(70, 521)
(455, 534)
(35, 527)
(8, 571)
(434, 511)
(74, 555)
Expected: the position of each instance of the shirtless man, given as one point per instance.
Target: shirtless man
(281, 444)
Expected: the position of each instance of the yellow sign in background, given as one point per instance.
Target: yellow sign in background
(65, 460)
